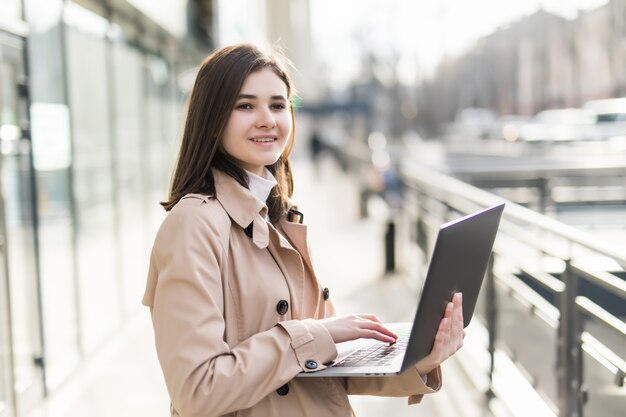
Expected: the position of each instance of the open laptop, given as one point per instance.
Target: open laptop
(458, 264)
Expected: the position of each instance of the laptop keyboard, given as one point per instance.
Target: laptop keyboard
(376, 354)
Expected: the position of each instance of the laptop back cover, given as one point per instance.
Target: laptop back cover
(458, 264)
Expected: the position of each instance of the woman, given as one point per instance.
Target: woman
(236, 306)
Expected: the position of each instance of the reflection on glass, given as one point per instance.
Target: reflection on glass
(20, 242)
(4, 302)
(128, 159)
(93, 188)
(51, 153)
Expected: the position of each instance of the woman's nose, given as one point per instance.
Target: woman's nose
(266, 119)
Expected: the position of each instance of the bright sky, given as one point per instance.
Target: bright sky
(419, 32)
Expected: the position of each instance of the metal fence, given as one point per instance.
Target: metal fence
(554, 298)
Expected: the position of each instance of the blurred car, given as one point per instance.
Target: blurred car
(472, 123)
(569, 124)
(610, 117)
(507, 127)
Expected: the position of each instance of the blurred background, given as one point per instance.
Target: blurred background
(409, 114)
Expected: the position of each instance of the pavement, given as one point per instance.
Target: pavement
(123, 377)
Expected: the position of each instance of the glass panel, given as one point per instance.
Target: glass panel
(132, 245)
(155, 170)
(51, 151)
(20, 242)
(5, 342)
(93, 188)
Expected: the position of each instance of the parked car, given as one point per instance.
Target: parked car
(472, 123)
(569, 124)
(507, 127)
(610, 117)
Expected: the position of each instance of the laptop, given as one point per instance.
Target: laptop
(458, 264)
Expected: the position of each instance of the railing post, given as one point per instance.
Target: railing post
(491, 312)
(363, 198)
(545, 195)
(569, 364)
(390, 246)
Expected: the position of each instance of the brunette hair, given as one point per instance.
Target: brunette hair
(218, 83)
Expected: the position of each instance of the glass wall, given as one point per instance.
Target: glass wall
(130, 187)
(98, 280)
(155, 73)
(50, 130)
(18, 245)
(82, 210)
(6, 358)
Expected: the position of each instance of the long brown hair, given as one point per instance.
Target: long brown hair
(218, 83)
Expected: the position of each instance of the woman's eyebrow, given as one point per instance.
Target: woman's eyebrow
(253, 97)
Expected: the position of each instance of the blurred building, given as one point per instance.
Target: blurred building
(541, 61)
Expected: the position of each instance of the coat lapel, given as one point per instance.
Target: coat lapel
(242, 207)
(290, 263)
(297, 235)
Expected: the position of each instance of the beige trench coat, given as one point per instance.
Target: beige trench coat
(235, 316)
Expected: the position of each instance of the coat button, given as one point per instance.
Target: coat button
(282, 307)
(326, 293)
(310, 364)
(284, 390)
(248, 231)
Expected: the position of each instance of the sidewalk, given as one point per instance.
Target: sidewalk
(123, 379)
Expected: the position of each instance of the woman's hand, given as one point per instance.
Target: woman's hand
(357, 326)
(449, 338)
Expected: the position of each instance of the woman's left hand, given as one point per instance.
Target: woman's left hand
(449, 338)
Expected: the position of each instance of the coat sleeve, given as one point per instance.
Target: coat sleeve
(409, 384)
(203, 375)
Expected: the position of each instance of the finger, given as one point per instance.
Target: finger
(370, 316)
(460, 335)
(442, 338)
(448, 312)
(373, 334)
(447, 319)
(379, 327)
(459, 299)
(457, 316)
(384, 330)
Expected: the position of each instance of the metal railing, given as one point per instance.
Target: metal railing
(550, 269)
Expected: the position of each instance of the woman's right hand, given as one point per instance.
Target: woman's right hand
(357, 326)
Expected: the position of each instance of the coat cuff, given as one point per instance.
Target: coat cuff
(432, 383)
(311, 342)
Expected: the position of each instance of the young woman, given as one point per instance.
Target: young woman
(236, 306)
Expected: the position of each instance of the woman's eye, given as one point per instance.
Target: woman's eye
(244, 106)
(278, 106)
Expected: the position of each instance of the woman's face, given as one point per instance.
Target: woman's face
(260, 124)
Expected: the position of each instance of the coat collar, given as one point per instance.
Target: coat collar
(242, 206)
(245, 209)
